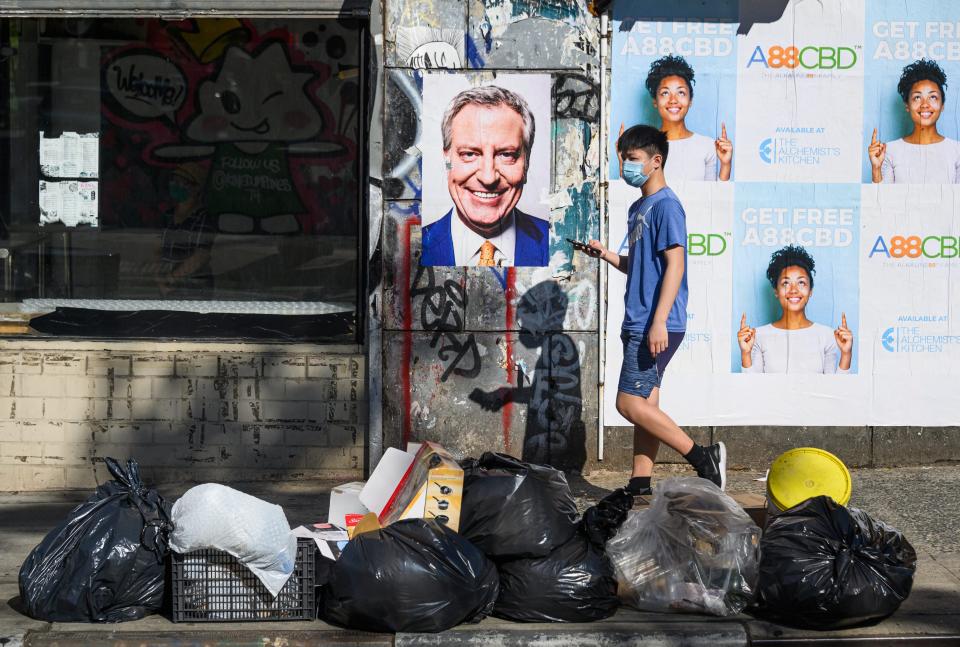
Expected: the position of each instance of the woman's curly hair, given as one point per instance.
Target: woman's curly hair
(789, 256)
(669, 66)
(922, 70)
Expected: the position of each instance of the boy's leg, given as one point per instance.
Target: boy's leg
(645, 446)
(638, 399)
(653, 422)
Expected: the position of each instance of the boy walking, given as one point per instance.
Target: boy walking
(655, 309)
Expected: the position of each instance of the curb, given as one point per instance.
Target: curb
(188, 638)
(607, 634)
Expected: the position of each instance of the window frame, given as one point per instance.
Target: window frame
(358, 10)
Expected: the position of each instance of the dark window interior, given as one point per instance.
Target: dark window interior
(208, 169)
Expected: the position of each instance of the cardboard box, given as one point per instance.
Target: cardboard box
(367, 523)
(388, 473)
(345, 501)
(431, 488)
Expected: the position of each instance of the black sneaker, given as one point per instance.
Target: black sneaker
(716, 468)
(638, 491)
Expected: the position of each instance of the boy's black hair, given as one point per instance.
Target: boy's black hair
(669, 66)
(922, 70)
(789, 256)
(646, 138)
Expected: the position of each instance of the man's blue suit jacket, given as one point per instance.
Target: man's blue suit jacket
(532, 246)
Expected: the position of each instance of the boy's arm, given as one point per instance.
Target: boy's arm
(597, 250)
(657, 338)
(615, 260)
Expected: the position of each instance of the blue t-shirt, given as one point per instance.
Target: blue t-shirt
(655, 223)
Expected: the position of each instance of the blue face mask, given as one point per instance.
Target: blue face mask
(633, 174)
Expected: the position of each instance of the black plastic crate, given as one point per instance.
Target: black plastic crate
(213, 586)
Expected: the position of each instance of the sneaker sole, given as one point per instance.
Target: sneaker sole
(723, 466)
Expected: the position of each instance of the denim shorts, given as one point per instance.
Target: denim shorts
(641, 372)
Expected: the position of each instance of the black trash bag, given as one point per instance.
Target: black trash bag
(602, 521)
(824, 566)
(412, 576)
(574, 583)
(512, 509)
(105, 562)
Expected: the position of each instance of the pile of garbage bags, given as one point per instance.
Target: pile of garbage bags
(518, 551)
(819, 565)
(521, 553)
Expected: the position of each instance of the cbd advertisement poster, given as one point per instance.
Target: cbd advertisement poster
(815, 149)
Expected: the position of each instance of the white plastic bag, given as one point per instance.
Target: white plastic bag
(694, 549)
(254, 531)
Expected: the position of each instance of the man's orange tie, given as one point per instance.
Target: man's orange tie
(486, 254)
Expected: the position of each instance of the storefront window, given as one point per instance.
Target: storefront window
(204, 170)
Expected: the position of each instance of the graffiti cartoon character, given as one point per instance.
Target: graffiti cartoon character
(251, 117)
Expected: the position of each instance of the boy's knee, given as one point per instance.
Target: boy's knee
(633, 409)
(621, 408)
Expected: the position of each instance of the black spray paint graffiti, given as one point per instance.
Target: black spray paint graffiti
(575, 97)
(555, 432)
(442, 311)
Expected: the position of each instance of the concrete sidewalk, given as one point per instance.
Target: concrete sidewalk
(919, 501)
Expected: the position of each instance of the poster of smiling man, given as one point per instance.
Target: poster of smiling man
(486, 168)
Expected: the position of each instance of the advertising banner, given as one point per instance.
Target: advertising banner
(814, 148)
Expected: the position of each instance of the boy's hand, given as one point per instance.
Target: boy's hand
(595, 249)
(657, 338)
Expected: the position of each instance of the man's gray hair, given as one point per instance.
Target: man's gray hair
(490, 96)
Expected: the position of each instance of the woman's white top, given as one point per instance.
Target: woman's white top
(693, 158)
(906, 163)
(807, 350)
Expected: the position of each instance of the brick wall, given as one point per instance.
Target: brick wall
(186, 413)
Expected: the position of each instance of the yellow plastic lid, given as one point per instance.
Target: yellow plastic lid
(800, 474)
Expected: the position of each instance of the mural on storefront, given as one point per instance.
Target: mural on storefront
(270, 111)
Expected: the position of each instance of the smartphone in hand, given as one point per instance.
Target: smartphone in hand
(583, 247)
